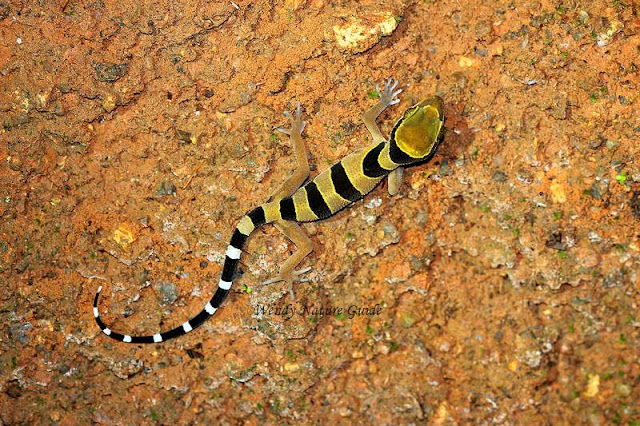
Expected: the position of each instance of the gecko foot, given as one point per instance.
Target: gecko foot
(289, 278)
(297, 123)
(388, 96)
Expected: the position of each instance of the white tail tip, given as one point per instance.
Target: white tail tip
(99, 289)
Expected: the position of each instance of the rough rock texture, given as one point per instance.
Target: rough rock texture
(500, 286)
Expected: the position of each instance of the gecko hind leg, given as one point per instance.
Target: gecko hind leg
(304, 246)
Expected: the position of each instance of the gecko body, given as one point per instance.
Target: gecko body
(414, 139)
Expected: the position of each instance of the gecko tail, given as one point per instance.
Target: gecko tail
(247, 224)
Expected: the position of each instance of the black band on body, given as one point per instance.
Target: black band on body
(316, 202)
(287, 209)
(257, 216)
(371, 166)
(342, 184)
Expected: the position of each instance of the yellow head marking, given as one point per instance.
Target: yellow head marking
(417, 132)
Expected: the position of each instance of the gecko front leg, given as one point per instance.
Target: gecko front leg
(292, 230)
(394, 181)
(388, 97)
(301, 172)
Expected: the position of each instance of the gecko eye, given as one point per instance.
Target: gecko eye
(418, 131)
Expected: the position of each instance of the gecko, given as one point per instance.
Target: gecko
(413, 140)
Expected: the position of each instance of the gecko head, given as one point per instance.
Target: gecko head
(419, 131)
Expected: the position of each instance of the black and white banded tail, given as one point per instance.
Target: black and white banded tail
(247, 224)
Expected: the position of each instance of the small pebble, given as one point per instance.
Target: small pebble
(499, 176)
(421, 218)
(168, 292)
(373, 203)
(524, 176)
(444, 168)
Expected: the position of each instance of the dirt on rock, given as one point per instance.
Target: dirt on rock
(501, 285)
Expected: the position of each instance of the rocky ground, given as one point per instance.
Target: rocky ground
(500, 286)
